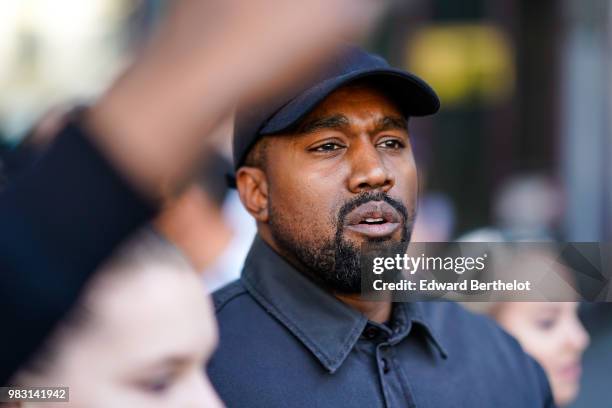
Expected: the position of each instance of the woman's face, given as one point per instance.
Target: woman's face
(146, 344)
(553, 335)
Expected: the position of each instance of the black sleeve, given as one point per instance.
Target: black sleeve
(57, 224)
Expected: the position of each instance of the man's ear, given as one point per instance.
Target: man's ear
(252, 186)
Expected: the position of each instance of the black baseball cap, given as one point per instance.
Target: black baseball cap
(413, 95)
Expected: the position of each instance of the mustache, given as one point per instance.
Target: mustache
(366, 197)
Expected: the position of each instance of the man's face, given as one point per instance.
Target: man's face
(346, 177)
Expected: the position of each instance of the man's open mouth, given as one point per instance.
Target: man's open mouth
(375, 219)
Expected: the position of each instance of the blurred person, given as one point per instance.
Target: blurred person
(208, 222)
(109, 169)
(526, 208)
(193, 223)
(323, 171)
(436, 219)
(138, 337)
(214, 236)
(551, 332)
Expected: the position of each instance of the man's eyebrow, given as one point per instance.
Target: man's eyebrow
(327, 122)
(391, 123)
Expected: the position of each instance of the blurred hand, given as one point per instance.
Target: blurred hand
(206, 56)
(263, 40)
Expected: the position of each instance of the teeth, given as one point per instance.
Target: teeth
(374, 219)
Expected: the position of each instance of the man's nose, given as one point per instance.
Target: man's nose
(368, 170)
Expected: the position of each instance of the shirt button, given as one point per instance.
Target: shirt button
(386, 366)
(370, 332)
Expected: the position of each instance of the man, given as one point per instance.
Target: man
(322, 172)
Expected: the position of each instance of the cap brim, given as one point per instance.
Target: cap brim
(414, 96)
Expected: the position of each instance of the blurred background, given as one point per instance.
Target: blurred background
(525, 89)
(520, 150)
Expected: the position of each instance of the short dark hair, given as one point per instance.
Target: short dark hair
(257, 156)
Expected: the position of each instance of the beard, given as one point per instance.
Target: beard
(333, 263)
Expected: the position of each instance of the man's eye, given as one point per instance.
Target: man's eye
(327, 147)
(392, 144)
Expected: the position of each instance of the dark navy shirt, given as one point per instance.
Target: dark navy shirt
(285, 342)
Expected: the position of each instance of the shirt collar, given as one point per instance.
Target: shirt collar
(415, 313)
(325, 325)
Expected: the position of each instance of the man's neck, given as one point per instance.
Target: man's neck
(376, 311)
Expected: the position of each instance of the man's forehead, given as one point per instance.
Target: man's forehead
(377, 122)
(360, 94)
(354, 103)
